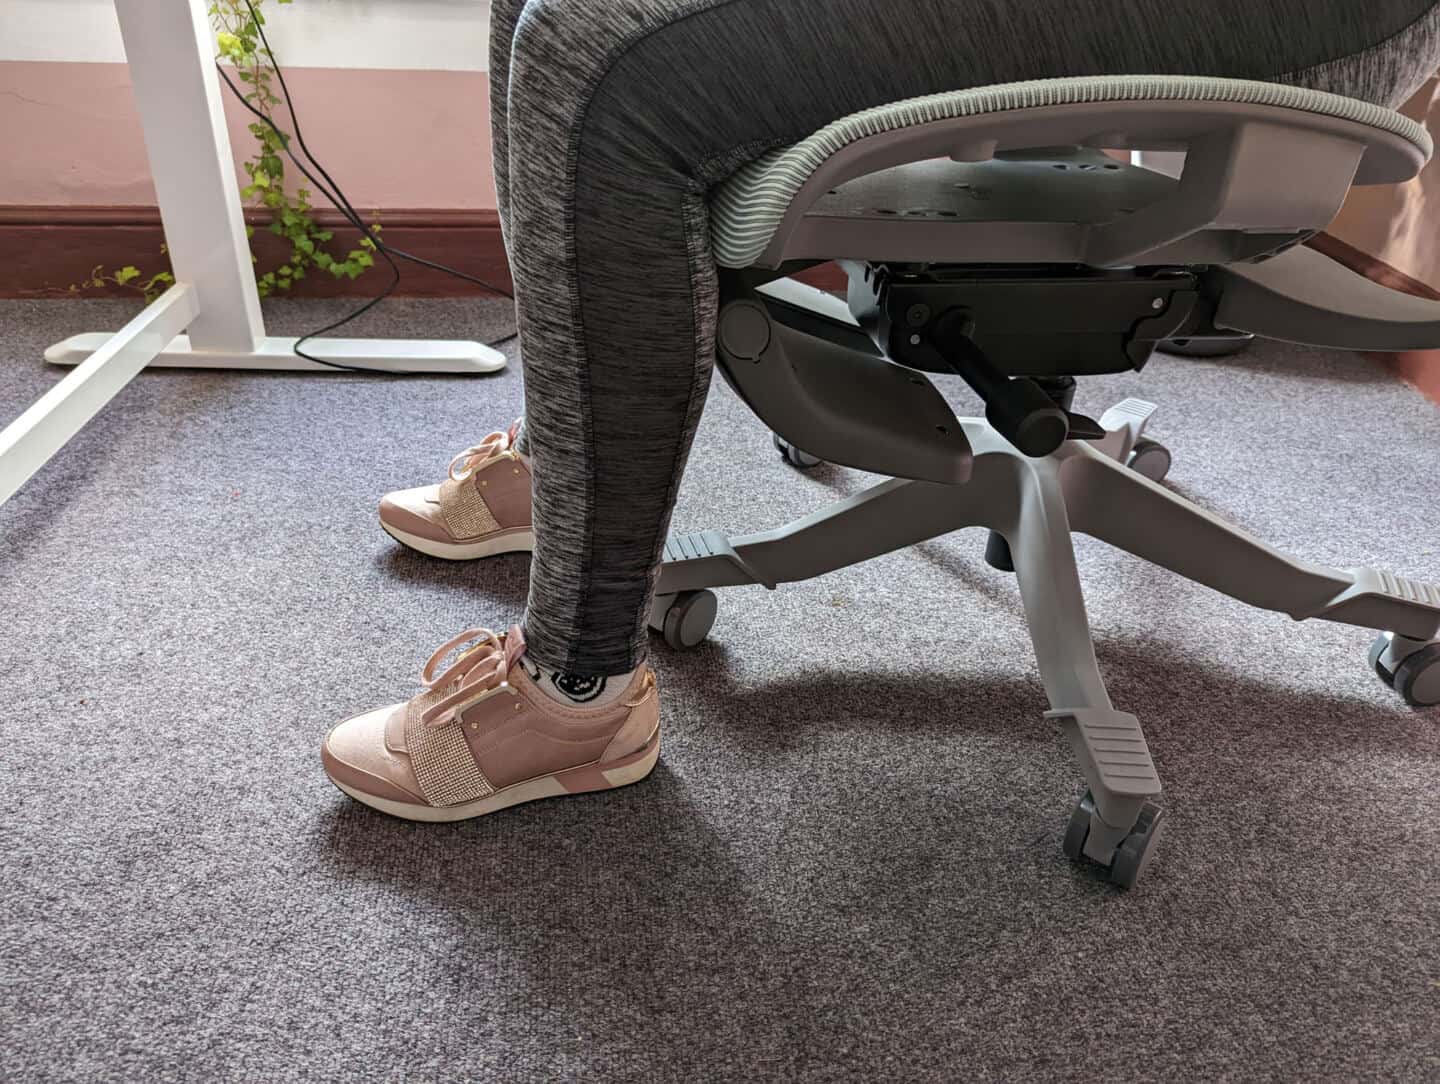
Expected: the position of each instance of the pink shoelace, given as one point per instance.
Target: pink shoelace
(493, 446)
(483, 667)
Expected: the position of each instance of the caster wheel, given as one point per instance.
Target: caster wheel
(997, 553)
(1150, 459)
(1132, 856)
(1417, 678)
(689, 619)
(793, 455)
(1135, 851)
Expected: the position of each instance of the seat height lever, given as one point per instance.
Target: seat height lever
(1034, 418)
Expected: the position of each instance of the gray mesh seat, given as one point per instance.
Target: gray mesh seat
(841, 194)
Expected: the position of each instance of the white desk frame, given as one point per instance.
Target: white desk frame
(214, 299)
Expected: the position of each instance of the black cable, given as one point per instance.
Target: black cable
(348, 210)
(338, 198)
(363, 309)
(331, 191)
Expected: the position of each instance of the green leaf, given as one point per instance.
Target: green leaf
(125, 274)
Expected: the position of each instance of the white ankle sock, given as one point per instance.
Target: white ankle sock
(576, 690)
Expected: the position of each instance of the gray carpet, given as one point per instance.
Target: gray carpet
(847, 865)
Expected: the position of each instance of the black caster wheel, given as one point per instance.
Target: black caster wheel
(1417, 678)
(997, 553)
(793, 455)
(1151, 459)
(1135, 851)
(689, 619)
(1134, 855)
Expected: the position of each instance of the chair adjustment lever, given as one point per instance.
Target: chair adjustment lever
(1021, 410)
(1085, 428)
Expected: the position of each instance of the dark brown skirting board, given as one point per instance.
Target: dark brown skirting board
(46, 249)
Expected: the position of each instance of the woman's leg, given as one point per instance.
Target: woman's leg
(621, 116)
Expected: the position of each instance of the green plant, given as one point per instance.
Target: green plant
(237, 39)
(130, 277)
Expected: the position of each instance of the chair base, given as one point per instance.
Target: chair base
(1035, 505)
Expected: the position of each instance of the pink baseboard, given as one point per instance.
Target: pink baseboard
(391, 138)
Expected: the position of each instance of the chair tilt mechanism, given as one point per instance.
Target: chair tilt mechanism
(988, 234)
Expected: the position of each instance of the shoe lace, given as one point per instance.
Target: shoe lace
(480, 455)
(481, 668)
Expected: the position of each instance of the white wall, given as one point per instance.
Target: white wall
(436, 35)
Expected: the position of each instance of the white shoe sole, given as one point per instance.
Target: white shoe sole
(520, 541)
(579, 780)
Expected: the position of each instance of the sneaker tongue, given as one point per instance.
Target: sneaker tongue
(514, 646)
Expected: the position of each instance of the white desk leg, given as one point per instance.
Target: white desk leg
(31, 439)
(168, 46)
(276, 354)
(167, 43)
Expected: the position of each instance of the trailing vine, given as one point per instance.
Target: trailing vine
(237, 40)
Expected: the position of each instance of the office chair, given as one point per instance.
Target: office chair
(987, 233)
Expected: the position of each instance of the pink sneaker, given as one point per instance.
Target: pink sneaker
(480, 510)
(482, 736)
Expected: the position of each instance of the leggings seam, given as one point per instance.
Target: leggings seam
(692, 230)
(577, 302)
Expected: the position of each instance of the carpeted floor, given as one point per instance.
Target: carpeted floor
(846, 867)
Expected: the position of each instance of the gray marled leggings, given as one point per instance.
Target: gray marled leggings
(613, 118)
